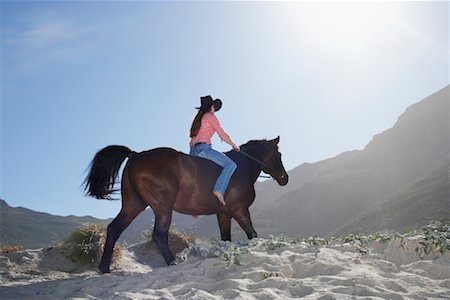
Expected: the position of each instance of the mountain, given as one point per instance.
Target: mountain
(30, 229)
(321, 197)
(348, 184)
(428, 199)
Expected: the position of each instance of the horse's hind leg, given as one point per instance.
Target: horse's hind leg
(132, 205)
(160, 236)
(225, 226)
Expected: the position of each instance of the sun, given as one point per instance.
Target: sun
(339, 26)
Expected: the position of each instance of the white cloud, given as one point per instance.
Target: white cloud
(44, 35)
(41, 41)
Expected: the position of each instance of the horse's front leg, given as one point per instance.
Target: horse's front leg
(242, 216)
(225, 226)
(160, 234)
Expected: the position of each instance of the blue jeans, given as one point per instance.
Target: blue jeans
(229, 166)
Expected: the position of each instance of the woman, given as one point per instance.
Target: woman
(203, 127)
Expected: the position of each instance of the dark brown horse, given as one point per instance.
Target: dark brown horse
(168, 180)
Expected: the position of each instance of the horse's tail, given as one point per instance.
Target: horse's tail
(104, 169)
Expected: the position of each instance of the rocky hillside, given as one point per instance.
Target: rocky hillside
(345, 186)
(31, 229)
(426, 200)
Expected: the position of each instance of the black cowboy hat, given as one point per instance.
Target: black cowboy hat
(207, 102)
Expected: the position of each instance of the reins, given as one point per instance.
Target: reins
(258, 161)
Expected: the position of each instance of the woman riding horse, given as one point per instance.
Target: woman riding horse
(167, 180)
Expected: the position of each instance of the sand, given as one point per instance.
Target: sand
(393, 270)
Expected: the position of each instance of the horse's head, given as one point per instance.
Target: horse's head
(273, 164)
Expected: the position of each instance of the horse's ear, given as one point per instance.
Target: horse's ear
(275, 141)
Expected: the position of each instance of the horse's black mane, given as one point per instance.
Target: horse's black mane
(253, 143)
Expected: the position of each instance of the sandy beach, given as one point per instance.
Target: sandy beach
(260, 270)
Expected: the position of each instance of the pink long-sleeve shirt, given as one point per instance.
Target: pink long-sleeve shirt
(209, 125)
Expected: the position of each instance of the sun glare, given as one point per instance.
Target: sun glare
(345, 26)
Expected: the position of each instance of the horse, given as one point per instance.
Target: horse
(166, 180)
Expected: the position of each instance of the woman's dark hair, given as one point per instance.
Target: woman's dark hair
(197, 122)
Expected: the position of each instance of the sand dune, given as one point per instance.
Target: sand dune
(393, 270)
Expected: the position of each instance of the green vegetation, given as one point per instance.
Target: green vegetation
(275, 242)
(318, 241)
(436, 238)
(230, 252)
(85, 244)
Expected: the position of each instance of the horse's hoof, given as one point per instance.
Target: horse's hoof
(173, 263)
(104, 271)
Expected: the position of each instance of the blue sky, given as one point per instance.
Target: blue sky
(78, 76)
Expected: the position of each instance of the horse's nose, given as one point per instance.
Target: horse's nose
(284, 178)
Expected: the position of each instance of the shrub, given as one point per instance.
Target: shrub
(436, 238)
(178, 240)
(10, 249)
(85, 244)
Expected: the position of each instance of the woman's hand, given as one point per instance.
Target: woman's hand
(232, 144)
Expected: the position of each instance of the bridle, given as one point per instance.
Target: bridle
(259, 162)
